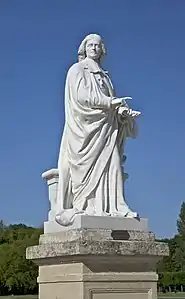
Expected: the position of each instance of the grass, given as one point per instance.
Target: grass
(20, 297)
(161, 295)
(172, 295)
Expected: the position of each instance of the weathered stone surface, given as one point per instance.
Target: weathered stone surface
(79, 264)
(86, 247)
(96, 235)
(99, 247)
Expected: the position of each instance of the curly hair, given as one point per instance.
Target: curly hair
(82, 51)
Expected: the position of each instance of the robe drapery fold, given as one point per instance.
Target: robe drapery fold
(90, 173)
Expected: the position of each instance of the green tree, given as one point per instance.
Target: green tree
(172, 268)
(17, 275)
(2, 225)
(181, 221)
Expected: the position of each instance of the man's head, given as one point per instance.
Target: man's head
(92, 47)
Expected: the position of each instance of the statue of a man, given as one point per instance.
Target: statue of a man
(96, 126)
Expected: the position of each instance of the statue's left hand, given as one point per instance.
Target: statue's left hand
(125, 111)
(133, 113)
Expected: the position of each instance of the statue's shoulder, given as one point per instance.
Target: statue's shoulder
(76, 68)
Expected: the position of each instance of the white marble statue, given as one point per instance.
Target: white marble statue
(97, 124)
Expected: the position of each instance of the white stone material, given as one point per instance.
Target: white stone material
(94, 246)
(97, 124)
(98, 222)
(51, 177)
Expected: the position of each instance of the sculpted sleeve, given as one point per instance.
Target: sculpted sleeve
(84, 86)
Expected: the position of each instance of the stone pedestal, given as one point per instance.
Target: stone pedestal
(97, 264)
(98, 223)
(77, 281)
(96, 257)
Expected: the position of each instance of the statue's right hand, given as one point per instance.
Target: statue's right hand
(119, 101)
(126, 98)
(123, 100)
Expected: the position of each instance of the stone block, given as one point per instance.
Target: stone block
(51, 176)
(99, 222)
(97, 264)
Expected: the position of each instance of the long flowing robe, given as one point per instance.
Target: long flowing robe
(90, 173)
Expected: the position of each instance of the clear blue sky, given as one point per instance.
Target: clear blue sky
(146, 59)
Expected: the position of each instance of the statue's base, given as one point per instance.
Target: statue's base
(77, 281)
(99, 222)
(97, 264)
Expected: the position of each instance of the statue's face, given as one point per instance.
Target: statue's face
(93, 49)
